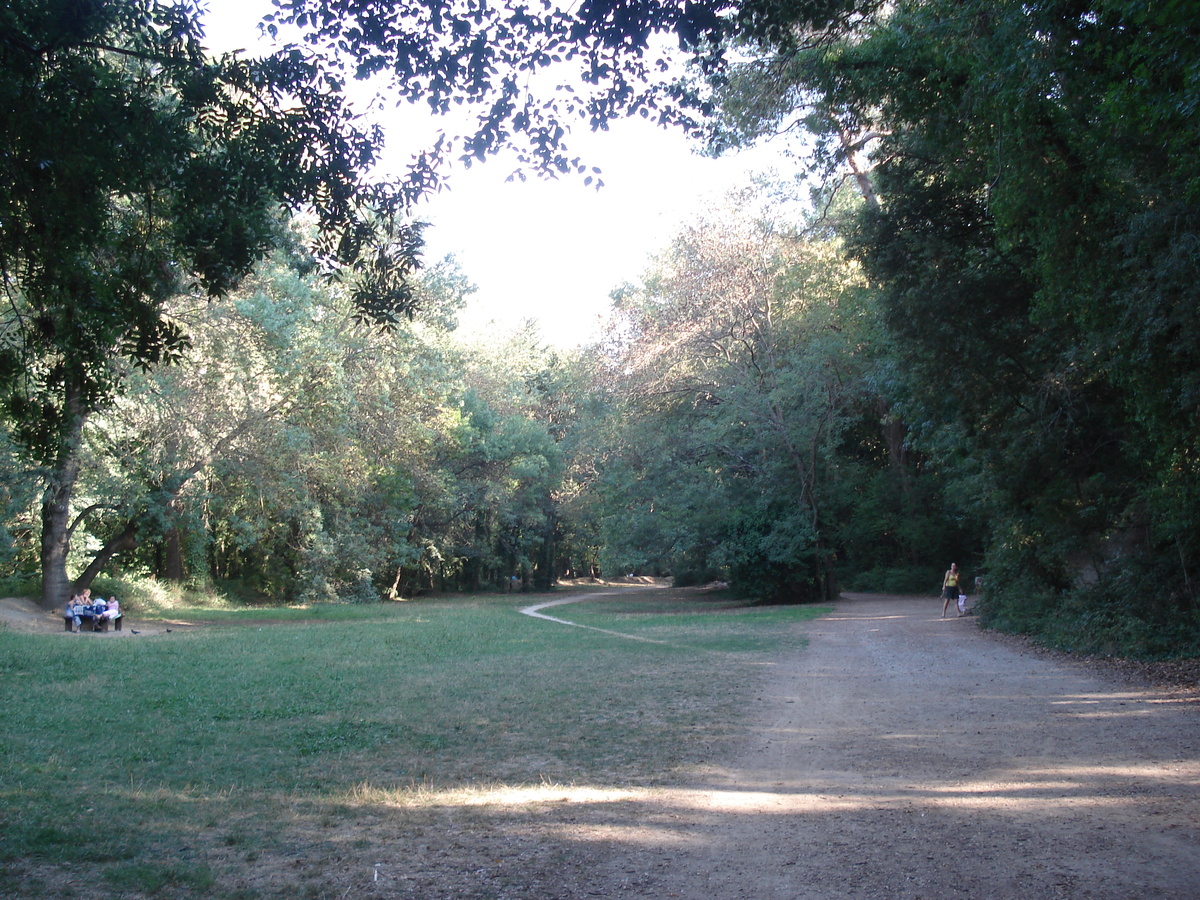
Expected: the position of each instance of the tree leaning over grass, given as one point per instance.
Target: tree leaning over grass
(136, 167)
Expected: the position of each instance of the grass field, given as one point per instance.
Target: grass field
(161, 765)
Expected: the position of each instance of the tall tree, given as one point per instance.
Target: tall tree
(745, 353)
(135, 167)
(1030, 245)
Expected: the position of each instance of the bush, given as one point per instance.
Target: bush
(689, 577)
(362, 589)
(896, 580)
(1133, 611)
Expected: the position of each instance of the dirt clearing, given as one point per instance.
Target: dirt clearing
(900, 756)
(905, 755)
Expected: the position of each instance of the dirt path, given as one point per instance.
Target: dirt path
(903, 755)
(535, 611)
(899, 755)
(906, 756)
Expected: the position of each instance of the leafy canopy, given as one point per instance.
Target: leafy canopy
(137, 167)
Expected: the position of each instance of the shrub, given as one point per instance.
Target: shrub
(896, 580)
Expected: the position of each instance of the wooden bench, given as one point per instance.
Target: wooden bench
(92, 623)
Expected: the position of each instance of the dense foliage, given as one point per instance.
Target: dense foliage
(136, 167)
(296, 455)
(1033, 238)
(741, 376)
(978, 344)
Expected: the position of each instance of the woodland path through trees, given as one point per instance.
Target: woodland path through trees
(901, 755)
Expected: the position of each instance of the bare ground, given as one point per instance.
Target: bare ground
(903, 755)
(23, 614)
(899, 755)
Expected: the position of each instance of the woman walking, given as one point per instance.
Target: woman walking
(949, 587)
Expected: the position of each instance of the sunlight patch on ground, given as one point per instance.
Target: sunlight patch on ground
(649, 835)
(1106, 698)
(1147, 771)
(491, 795)
(667, 814)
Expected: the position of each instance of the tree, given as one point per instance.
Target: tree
(136, 167)
(149, 456)
(574, 395)
(745, 353)
(605, 58)
(1036, 207)
(298, 455)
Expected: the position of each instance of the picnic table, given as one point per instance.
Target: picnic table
(95, 620)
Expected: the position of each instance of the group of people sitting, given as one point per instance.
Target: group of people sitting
(81, 606)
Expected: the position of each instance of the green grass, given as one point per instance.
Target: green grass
(143, 759)
(706, 622)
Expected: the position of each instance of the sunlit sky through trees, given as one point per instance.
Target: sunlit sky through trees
(546, 250)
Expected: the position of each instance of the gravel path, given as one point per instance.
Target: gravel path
(905, 755)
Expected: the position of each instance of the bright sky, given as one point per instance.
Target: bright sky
(552, 251)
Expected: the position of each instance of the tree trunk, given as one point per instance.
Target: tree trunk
(173, 555)
(173, 569)
(56, 510)
(126, 540)
(393, 593)
(545, 573)
(826, 574)
(861, 175)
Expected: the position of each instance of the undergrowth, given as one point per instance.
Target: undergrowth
(1132, 613)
